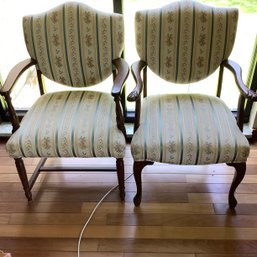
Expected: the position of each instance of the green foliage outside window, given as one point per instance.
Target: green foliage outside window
(248, 6)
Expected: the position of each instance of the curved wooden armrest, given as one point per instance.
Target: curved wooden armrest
(123, 72)
(9, 83)
(237, 72)
(136, 69)
(14, 74)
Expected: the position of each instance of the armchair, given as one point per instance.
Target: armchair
(182, 43)
(77, 46)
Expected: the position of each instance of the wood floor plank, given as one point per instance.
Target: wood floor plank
(251, 168)
(182, 220)
(14, 178)
(130, 246)
(185, 169)
(241, 209)
(226, 255)
(151, 208)
(136, 232)
(55, 219)
(158, 255)
(179, 246)
(21, 244)
(40, 231)
(4, 218)
(195, 178)
(133, 219)
(75, 177)
(25, 207)
(220, 198)
(67, 254)
(7, 161)
(182, 187)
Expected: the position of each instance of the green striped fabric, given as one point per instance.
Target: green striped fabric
(188, 129)
(74, 44)
(185, 41)
(69, 124)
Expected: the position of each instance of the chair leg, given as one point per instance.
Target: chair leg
(138, 167)
(240, 169)
(23, 177)
(120, 174)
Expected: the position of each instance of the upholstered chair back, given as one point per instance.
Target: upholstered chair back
(63, 42)
(187, 40)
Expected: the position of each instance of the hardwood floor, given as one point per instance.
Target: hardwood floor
(184, 212)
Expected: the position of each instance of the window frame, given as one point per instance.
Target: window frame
(251, 81)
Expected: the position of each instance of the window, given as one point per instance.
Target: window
(11, 28)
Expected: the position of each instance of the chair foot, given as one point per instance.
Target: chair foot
(29, 196)
(240, 169)
(122, 197)
(137, 200)
(138, 167)
(23, 177)
(120, 174)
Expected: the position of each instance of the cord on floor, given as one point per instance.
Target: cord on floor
(92, 214)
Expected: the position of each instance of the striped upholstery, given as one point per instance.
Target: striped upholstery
(64, 39)
(73, 45)
(185, 41)
(69, 124)
(179, 129)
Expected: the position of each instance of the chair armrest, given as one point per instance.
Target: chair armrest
(123, 72)
(136, 69)
(119, 79)
(237, 72)
(14, 75)
(9, 83)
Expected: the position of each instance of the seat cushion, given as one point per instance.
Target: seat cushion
(69, 124)
(188, 129)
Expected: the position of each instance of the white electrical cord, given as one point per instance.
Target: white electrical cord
(93, 212)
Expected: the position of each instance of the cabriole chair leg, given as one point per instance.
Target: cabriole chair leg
(23, 177)
(240, 169)
(138, 167)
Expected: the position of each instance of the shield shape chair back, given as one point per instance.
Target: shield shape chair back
(77, 46)
(185, 42)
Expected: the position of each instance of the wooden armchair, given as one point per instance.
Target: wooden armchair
(78, 46)
(185, 42)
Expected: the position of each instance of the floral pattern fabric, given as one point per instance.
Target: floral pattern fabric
(69, 124)
(74, 44)
(189, 130)
(185, 41)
